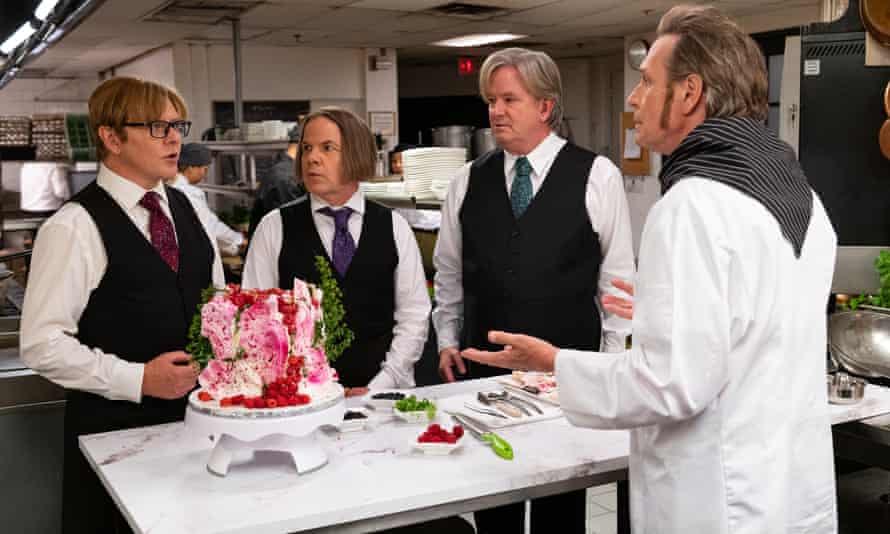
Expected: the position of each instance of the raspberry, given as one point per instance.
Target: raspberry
(205, 396)
(225, 402)
(450, 439)
(238, 400)
(272, 403)
(458, 431)
(435, 428)
(292, 361)
(259, 402)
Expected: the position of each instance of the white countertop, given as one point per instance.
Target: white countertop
(158, 477)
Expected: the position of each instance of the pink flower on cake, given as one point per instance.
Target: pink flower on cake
(218, 326)
(318, 370)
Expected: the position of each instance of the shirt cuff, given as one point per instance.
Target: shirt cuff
(126, 381)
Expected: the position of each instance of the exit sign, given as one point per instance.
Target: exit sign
(466, 66)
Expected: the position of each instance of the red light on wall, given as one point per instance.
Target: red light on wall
(466, 66)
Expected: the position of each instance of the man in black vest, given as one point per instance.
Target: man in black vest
(116, 276)
(372, 249)
(532, 234)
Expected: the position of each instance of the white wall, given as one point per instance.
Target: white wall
(381, 89)
(57, 95)
(206, 73)
(156, 66)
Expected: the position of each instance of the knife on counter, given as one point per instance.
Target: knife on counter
(478, 430)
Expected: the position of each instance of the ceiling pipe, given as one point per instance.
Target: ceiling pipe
(238, 104)
(73, 12)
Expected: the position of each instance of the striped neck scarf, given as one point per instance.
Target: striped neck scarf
(743, 154)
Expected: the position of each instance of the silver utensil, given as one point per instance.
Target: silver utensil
(485, 411)
(506, 407)
(519, 401)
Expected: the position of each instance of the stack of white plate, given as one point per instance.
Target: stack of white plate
(428, 171)
(383, 189)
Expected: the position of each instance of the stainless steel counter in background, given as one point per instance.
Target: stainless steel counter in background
(31, 422)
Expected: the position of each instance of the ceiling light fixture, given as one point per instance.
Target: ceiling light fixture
(45, 8)
(17, 38)
(479, 39)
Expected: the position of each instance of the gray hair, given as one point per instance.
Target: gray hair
(537, 71)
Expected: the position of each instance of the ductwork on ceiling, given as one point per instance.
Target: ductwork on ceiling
(63, 18)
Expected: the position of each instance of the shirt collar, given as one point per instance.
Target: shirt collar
(356, 202)
(126, 192)
(539, 157)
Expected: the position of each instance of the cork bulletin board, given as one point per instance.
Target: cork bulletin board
(634, 158)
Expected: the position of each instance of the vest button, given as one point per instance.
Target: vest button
(511, 272)
(515, 234)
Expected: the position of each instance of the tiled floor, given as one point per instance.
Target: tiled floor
(602, 502)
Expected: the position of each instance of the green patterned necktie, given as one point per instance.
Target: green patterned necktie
(521, 191)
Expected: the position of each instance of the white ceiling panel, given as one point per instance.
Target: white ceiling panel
(399, 5)
(564, 10)
(282, 16)
(287, 37)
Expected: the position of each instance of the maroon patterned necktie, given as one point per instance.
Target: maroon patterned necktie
(161, 230)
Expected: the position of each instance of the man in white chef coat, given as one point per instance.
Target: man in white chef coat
(194, 162)
(724, 388)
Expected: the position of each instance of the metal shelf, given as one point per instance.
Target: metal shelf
(228, 190)
(406, 201)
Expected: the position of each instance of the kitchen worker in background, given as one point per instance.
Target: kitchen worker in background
(532, 233)
(372, 249)
(724, 388)
(116, 277)
(279, 186)
(194, 162)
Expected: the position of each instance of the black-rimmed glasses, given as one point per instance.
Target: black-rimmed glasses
(161, 129)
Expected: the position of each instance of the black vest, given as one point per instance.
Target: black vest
(537, 275)
(141, 308)
(368, 287)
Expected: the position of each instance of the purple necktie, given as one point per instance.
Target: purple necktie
(161, 230)
(343, 247)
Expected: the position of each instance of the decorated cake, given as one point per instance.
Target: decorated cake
(262, 350)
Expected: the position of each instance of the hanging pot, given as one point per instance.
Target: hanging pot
(876, 18)
(453, 136)
(884, 139)
(483, 141)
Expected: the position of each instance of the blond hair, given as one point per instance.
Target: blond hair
(538, 73)
(358, 148)
(125, 99)
(729, 62)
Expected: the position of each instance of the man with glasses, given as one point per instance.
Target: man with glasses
(116, 276)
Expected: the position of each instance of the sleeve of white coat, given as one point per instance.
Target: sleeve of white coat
(681, 327)
(448, 261)
(229, 240)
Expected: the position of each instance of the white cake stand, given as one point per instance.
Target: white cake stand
(236, 430)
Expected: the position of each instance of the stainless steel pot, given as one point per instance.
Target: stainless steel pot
(860, 341)
(453, 136)
(483, 141)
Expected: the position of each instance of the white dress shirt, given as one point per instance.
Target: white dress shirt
(724, 387)
(412, 302)
(609, 216)
(69, 262)
(228, 240)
